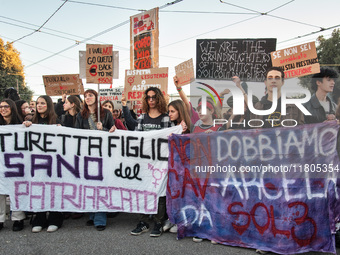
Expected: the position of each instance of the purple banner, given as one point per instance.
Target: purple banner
(270, 189)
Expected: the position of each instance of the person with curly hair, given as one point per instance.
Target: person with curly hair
(154, 117)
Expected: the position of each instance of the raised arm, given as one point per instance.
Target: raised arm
(131, 123)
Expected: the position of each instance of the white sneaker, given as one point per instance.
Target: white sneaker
(213, 242)
(261, 251)
(197, 239)
(52, 228)
(167, 225)
(36, 229)
(173, 229)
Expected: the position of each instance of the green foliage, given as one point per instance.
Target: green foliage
(328, 51)
(12, 72)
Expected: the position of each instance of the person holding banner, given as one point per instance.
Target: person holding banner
(108, 105)
(71, 107)
(9, 116)
(154, 117)
(45, 115)
(23, 110)
(88, 119)
(179, 115)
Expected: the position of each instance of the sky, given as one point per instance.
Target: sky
(55, 48)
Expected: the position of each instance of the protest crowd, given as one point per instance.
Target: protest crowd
(157, 113)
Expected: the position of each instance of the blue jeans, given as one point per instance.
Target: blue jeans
(99, 218)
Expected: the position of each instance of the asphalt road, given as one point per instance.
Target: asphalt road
(77, 238)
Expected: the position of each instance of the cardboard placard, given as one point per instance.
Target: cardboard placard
(185, 72)
(297, 61)
(144, 40)
(57, 85)
(114, 95)
(137, 81)
(82, 64)
(221, 59)
(99, 63)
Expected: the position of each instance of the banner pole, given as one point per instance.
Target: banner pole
(98, 106)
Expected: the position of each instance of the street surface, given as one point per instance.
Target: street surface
(77, 238)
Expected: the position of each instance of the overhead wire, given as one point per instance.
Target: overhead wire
(267, 13)
(108, 6)
(34, 30)
(312, 33)
(35, 47)
(98, 34)
(142, 10)
(235, 23)
(259, 14)
(75, 40)
(38, 30)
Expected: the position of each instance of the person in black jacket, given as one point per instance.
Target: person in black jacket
(88, 119)
(45, 115)
(72, 107)
(320, 105)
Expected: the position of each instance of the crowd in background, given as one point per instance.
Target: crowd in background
(71, 111)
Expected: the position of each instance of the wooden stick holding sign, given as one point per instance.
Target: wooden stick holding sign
(98, 102)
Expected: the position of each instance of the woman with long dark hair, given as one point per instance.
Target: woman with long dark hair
(88, 119)
(46, 115)
(110, 106)
(24, 110)
(72, 107)
(9, 113)
(9, 116)
(179, 115)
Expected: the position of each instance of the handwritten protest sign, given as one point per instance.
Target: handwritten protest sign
(185, 72)
(82, 64)
(99, 60)
(144, 34)
(297, 61)
(221, 59)
(114, 95)
(57, 85)
(257, 188)
(137, 81)
(50, 168)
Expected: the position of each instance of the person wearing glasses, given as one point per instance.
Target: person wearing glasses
(154, 117)
(24, 110)
(9, 116)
